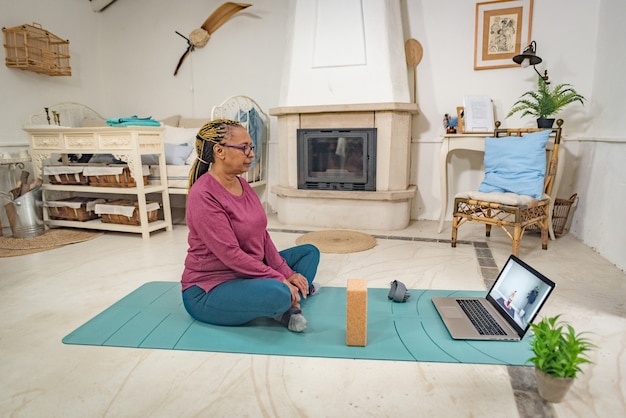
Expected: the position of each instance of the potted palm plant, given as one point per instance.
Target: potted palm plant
(558, 354)
(545, 102)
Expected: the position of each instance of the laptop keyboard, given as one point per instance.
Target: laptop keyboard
(481, 319)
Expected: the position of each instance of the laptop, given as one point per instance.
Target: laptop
(505, 313)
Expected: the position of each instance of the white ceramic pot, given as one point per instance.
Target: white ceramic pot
(552, 389)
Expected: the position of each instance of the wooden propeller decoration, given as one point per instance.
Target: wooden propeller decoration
(199, 37)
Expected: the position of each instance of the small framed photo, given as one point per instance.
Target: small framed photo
(502, 32)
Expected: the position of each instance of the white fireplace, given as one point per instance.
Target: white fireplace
(346, 69)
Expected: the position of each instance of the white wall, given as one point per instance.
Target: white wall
(24, 92)
(362, 62)
(598, 172)
(123, 61)
(140, 51)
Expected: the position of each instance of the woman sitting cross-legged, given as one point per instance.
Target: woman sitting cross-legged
(233, 271)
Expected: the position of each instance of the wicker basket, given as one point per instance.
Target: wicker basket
(30, 47)
(65, 175)
(560, 213)
(125, 212)
(118, 177)
(74, 179)
(73, 209)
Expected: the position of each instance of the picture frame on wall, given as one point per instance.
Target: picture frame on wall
(502, 32)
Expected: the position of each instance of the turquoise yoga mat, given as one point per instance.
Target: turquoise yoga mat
(153, 317)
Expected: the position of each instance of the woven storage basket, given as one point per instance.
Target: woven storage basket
(118, 177)
(65, 175)
(73, 209)
(560, 213)
(30, 47)
(125, 212)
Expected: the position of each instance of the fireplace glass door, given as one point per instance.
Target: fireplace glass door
(337, 159)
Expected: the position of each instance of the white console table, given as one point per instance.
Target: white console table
(476, 142)
(125, 143)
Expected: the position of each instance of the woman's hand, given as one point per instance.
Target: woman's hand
(301, 284)
(295, 296)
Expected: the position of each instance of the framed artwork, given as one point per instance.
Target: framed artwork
(502, 32)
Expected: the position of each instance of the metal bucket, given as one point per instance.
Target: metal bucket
(25, 215)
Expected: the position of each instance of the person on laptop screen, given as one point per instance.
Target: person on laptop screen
(508, 304)
(520, 309)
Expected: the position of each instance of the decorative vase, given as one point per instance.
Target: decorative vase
(552, 389)
(545, 123)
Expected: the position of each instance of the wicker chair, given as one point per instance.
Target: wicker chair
(513, 215)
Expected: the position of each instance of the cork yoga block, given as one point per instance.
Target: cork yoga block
(356, 312)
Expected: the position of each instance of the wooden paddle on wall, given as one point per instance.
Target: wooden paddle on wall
(414, 53)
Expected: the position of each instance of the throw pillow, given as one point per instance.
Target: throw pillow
(179, 143)
(173, 135)
(176, 154)
(193, 155)
(516, 164)
(171, 120)
(195, 123)
(150, 159)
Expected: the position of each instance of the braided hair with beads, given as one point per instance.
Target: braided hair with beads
(211, 133)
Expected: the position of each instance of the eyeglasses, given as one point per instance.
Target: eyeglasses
(247, 149)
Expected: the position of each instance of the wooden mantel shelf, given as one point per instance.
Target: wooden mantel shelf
(357, 107)
(384, 196)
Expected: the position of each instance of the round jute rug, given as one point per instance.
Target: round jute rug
(52, 238)
(338, 241)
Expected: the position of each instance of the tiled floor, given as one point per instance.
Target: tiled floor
(47, 295)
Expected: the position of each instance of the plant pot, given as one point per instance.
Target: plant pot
(545, 123)
(552, 389)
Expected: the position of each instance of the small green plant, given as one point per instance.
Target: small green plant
(558, 349)
(544, 102)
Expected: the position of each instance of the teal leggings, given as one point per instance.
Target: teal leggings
(238, 301)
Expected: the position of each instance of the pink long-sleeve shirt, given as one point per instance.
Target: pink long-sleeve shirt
(228, 238)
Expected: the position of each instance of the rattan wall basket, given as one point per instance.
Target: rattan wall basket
(32, 48)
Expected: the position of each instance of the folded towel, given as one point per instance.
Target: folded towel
(133, 121)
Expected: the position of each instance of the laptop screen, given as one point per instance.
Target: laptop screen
(519, 292)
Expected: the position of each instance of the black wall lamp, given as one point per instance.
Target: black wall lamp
(529, 57)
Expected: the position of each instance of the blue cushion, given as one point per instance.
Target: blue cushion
(516, 164)
(150, 159)
(176, 154)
